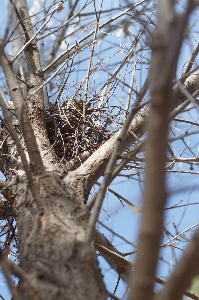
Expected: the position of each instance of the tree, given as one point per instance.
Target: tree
(61, 132)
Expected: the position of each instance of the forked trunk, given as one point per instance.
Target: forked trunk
(51, 244)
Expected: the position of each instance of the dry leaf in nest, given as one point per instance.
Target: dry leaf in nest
(60, 8)
(51, 87)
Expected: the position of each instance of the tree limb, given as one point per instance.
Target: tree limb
(35, 79)
(95, 165)
(18, 100)
(5, 269)
(109, 168)
(60, 33)
(125, 267)
(186, 269)
(62, 56)
(166, 44)
(27, 137)
(6, 209)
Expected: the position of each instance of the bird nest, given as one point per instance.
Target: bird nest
(71, 133)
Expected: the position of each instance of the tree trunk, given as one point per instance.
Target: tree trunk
(51, 243)
(48, 195)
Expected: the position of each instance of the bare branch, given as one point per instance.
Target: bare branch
(112, 296)
(28, 137)
(6, 209)
(14, 269)
(34, 36)
(183, 106)
(121, 264)
(185, 271)
(35, 79)
(7, 276)
(125, 268)
(63, 29)
(109, 169)
(191, 61)
(95, 165)
(166, 44)
(64, 54)
(76, 93)
(18, 100)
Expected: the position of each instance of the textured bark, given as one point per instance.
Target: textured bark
(53, 255)
(51, 229)
(51, 243)
(35, 79)
(166, 44)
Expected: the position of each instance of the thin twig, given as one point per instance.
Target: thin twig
(90, 63)
(16, 139)
(112, 296)
(185, 271)
(38, 31)
(166, 41)
(107, 175)
(127, 267)
(190, 61)
(186, 121)
(7, 276)
(187, 94)
(88, 35)
(20, 108)
(62, 29)
(182, 159)
(182, 232)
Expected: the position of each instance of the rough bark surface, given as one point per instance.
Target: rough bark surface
(51, 243)
(54, 259)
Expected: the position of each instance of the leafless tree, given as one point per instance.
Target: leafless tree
(92, 94)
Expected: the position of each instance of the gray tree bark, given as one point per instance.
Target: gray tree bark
(51, 223)
(49, 199)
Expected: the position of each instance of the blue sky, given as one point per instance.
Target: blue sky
(120, 218)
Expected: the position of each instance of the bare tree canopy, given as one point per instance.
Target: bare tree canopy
(98, 102)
